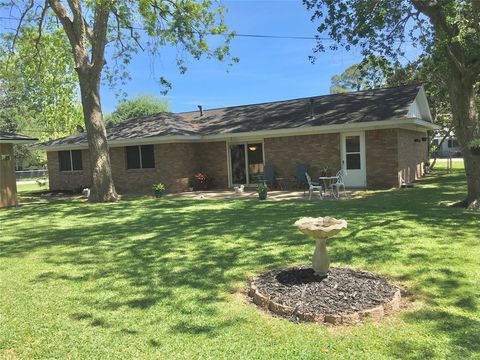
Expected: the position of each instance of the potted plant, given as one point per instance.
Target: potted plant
(475, 147)
(158, 189)
(262, 192)
(201, 181)
(326, 170)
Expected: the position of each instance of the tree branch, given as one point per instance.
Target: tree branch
(20, 21)
(439, 21)
(40, 27)
(129, 27)
(65, 20)
(102, 12)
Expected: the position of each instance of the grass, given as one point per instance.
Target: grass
(162, 279)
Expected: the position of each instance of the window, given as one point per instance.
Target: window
(140, 157)
(352, 147)
(452, 143)
(435, 142)
(70, 160)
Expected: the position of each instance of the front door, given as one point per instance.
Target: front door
(246, 163)
(353, 159)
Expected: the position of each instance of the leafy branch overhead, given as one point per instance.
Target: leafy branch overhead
(127, 27)
(447, 33)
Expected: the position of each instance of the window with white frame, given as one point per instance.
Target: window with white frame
(140, 157)
(70, 160)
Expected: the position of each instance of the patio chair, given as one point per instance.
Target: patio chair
(312, 187)
(338, 184)
(302, 169)
(269, 175)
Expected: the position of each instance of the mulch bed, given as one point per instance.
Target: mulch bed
(344, 296)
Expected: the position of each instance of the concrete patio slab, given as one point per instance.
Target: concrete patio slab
(252, 195)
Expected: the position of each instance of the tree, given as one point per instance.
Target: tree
(140, 106)
(36, 99)
(127, 26)
(446, 30)
(369, 74)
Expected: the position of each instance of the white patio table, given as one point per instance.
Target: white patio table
(327, 183)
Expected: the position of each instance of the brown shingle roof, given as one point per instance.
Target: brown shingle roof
(9, 136)
(346, 108)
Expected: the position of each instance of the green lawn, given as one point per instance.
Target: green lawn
(162, 279)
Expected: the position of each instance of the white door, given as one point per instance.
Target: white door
(353, 159)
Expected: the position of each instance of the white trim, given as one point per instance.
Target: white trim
(363, 157)
(407, 123)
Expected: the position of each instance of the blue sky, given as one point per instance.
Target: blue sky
(269, 69)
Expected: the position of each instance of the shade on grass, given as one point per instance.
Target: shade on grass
(161, 279)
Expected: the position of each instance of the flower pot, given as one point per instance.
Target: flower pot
(158, 193)
(475, 151)
(262, 196)
(201, 187)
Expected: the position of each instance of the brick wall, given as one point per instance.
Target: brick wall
(68, 180)
(390, 153)
(393, 154)
(175, 163)
(212, 158)
(285, 153)
(381, 155)
(411, 154)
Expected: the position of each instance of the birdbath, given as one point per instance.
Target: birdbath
(320, 229)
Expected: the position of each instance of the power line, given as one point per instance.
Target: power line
(262, 36)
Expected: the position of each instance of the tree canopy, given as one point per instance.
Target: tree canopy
(447, 31)
(369, 74)
(104, 34)
(37, 98)
(139, 106)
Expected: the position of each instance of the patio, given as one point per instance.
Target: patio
(251, 194)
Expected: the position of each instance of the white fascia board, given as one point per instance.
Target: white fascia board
(307, 130)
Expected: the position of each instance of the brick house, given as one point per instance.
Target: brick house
(378, 136)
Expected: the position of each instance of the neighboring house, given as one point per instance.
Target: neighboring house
(449, 147)
(8, 184)
(378, 136)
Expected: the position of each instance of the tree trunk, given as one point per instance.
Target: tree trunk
(467, 127)
(102, 188)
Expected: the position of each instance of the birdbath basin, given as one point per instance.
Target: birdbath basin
(320, 229)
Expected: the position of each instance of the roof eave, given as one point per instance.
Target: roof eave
(413, 123)
(17, 141)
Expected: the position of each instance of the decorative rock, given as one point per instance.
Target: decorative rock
(333, 319)
(280, 309)
(311, 317)
(350, 319)
(252, 290)
(260, 299)
(375, 313)
(393, 305)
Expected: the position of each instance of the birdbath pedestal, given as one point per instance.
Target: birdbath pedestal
(320, 229)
